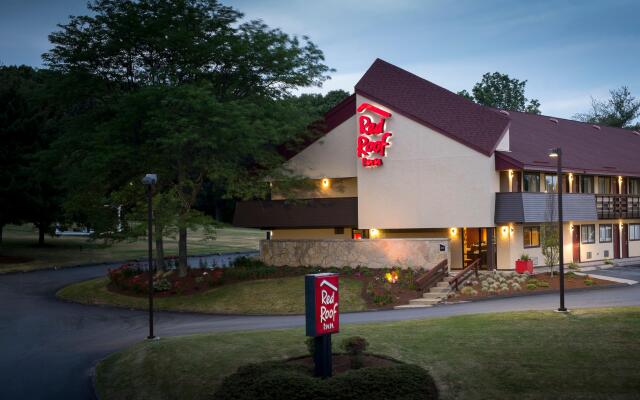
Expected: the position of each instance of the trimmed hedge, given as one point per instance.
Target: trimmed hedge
(278, 380)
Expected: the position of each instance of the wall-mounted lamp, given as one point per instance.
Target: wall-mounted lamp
(511, 229)
(505, 230)
(571, 227)
(454, 231)
(374, 233)
(325, 182)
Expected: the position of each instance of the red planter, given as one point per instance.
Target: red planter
(524, 266)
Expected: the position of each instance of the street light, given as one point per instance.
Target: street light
(149, 181)
(557, 153)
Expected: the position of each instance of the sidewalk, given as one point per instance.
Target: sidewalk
(599, 266)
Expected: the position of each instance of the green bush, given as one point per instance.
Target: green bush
(468, 291)
(531, 286)
(278, 380)
(355, 346)
(589, 282)
(573, 266)
(543, 284)
(311, 345)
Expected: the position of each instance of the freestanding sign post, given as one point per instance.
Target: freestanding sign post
(322, 317)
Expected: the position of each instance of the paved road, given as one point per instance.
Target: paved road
(48, 347)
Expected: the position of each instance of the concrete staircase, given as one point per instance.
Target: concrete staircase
(434, 296)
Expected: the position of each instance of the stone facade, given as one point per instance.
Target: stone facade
(377, 253)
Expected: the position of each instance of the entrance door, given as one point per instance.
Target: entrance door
(576, 243)
(475, 246)
(625, 240)
(616, 240)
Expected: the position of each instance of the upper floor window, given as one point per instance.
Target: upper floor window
(531, 182)
(551, 183)
(586, 184)
(588, 233)
(604, 184)
(605, 233)
(634, 186)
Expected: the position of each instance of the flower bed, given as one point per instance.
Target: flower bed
(382, 288)
(498, 283)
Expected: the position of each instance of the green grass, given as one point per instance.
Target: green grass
(268, 296)
(588, 354)
(21, 241)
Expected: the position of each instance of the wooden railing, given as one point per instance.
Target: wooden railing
(617, 206)
(430, 278)
(465, 273)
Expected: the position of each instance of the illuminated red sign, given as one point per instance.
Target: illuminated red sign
(373, 138)
(322, 297)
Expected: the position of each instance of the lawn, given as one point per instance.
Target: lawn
(21, 242)
(588, 354)
(276, 296)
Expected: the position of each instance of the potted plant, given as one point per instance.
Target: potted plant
(524, 264)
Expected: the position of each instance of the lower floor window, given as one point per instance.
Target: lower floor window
(588, 233)
(531, 236)
(605, 233)
(634, 232)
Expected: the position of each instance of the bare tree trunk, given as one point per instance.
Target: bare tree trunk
(160, 265)
(41, 232)
(182, 251)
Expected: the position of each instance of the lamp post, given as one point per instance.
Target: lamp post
(149, 181)
(557, 153)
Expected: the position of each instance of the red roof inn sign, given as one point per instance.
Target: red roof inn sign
(322, 317)
(373, 138)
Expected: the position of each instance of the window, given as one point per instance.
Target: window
(604, 184)
(551, 183)
(531, 182)
(634, 231)
(634, 186)
(605, 233)
(586, 184)
(338, 231)
(588, 233)
(531, 235)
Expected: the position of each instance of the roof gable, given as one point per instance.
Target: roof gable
(473, 125)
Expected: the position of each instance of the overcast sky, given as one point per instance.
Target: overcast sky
(567, 50)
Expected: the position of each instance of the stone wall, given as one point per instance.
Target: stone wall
(377, 253)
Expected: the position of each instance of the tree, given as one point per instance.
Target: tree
(500, 91)
(620, 110)
(187, 84)
(549, 235)
(29, 123)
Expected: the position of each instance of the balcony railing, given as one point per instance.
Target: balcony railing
(611, 206)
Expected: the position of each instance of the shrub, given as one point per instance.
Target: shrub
(278, 380)
(532, 281)
(504, 287)
(573, 266)
(588, 281)
(543, 284)
(311, 345)
(468, 291)
(516, 286)
(525, 257)
(355, 346)
(531, 286)
(608, 262)
(161, 285)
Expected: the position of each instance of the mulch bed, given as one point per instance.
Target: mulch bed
(197, 281)
(14, 259)
(571, 282)
(342, 362)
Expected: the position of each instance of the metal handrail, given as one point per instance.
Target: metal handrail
(463, 275)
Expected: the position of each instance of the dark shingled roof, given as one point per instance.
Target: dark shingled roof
(473, 125)
(310, 213)
(585, 147)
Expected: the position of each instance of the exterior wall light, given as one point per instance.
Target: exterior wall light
(374, 233)
(505, 230)
(325, 183)
(454, 231)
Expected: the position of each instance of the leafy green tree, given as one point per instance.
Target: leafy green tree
(621, 110)
(500, 91)
(29, 117)
(187, 91)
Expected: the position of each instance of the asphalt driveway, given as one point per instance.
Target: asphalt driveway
(48, 346)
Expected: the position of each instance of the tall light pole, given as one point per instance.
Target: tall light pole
(557, 153)
(149, 181)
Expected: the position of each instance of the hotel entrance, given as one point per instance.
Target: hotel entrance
(479, 243)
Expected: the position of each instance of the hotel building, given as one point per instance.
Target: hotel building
(403, 159)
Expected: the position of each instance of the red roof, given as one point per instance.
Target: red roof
(585, 147)
(473, 125)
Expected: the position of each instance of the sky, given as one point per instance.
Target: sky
(568, 51)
